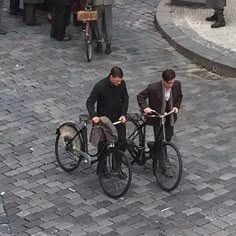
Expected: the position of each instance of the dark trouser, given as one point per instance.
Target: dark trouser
(60, 18)
(14, 6)
(29, 15)
(121, 129)
(158, 133)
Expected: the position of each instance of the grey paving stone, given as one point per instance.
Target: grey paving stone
(51, 85)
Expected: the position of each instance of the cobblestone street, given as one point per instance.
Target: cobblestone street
(44, 82)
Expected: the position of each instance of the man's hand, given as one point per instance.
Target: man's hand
(147, 110)
(95, 119)
(122, 119)
(175, 109)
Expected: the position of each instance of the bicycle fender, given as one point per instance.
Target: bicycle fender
(69, 124)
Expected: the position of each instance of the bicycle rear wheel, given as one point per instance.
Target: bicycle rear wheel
(67, 142)
(114, 173)
(168, 167)
(88, 42)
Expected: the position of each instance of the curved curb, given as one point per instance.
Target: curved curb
(206, 57)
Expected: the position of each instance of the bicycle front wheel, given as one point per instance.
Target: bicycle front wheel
(114, 173)
(168, 167)
(88, 42)
(67, 142)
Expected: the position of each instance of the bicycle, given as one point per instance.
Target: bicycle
(71, 149)
(88, 16)
(168, 177)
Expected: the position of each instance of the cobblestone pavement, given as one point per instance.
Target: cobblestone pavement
(44, 82)
(192, 22)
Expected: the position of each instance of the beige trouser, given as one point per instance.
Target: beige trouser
(103, 28)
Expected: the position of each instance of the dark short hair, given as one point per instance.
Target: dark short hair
(116, 72)
(168, 75)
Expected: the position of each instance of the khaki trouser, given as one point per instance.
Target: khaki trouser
(103, 29)
(216, 4)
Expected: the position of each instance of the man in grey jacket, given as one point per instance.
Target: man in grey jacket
(103, 28)
(2, 30)
(218, 16)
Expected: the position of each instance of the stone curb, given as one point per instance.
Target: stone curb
(206, 57)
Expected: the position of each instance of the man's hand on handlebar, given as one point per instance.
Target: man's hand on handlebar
(122, 119)
(147, 110)
(175, 109)
(95, 119)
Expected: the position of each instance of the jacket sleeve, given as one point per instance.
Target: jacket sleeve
(124, 101)
(142, 97)
(179, 97)
(92, 99)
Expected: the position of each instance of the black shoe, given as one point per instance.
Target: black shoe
(122, 175)
(218, 24)
(53, 36)
(164, 162)
(108, 49)
(16, 13)
(98, 49)
(33, 23)
(212, 18)
(67, 37)
(2, 31)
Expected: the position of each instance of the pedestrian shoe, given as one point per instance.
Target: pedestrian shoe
(212, 18)
(98, 48)
(122, 175)
(67, 37)
(33, 23)
(16, 13)
(53, 36)
(2, 31)
(164, 162)
(218, 24)
(108, 49)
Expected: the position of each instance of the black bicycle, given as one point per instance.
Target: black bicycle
(167, 162)
(71, 149)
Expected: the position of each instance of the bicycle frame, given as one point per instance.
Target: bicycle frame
(141, 156)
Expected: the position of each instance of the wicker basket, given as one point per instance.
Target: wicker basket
(86, 15)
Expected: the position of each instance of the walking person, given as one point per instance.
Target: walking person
(103, 29)
(163, 96)
(112, 100)
(61, 10)
(218, 16)
(2, 28)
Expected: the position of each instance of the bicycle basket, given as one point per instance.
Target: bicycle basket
(87, 15)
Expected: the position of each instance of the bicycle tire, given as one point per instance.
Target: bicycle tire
(134, 137)
(67, 142)
(88, 42)
(168, 178)
(114, 173)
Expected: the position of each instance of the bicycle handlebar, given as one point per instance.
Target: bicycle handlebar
(158, 115)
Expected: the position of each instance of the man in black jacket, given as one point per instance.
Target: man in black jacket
(112, 100)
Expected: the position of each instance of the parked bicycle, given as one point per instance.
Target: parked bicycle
(169, 176)
(88, 16)
(71, 149)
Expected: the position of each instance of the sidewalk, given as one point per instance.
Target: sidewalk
(185, 29)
